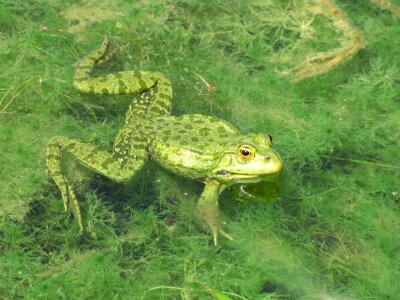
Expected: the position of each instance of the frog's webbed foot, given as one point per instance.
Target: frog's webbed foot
(209, 212)
(71, 201)
(89, 156)
(208, 209)
(53, 161)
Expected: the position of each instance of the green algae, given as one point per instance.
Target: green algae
(332, 234)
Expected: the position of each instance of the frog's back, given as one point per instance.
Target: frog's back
(192, 132)
(189, 144)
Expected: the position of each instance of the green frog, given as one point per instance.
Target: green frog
(196, 146)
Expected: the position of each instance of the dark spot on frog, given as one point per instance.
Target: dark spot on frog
(188, 126)
(221, 129)
(122, 85)
(142, 84)
(139, 139)
(194, 139)
(70, 146)
(204, 131)
(176, 138)
(161, 121)
(107, 162)
(121, 90)
(165, 139)
(199, 121)
(158, 110)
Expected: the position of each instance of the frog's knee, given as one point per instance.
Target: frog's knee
(122, 178)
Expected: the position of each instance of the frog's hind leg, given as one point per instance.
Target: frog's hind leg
(151, 104)
(85, 66)
(124, 82)
(154, 88)
(101, 162)
(53, 162)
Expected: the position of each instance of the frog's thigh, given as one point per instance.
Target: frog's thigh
(99, 161)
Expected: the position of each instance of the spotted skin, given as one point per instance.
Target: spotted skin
(196, 146)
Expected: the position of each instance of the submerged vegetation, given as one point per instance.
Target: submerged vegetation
(332, 234)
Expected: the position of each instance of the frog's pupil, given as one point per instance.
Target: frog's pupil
(245, 152)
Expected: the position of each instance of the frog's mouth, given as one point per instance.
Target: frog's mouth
(227, 173)
(226, 176)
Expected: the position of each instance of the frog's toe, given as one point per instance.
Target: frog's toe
(72, 203)
(108, 55)
(215, 230)
(224, 234)
(106, 42)
(215, 235)
(65, 201)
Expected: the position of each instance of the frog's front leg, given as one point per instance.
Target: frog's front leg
(208, 208)
(104, 163)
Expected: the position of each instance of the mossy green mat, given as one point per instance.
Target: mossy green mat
(333, 234)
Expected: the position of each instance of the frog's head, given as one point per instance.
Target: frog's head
(251, 160)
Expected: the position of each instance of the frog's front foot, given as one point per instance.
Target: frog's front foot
(208, 208)
(209, 213)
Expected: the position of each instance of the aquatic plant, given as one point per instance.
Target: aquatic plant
(332, 234)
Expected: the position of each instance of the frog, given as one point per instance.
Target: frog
(197, 146)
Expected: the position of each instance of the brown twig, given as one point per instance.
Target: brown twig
(324, 61)
(387, 5)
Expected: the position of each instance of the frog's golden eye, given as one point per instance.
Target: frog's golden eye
(246, 152)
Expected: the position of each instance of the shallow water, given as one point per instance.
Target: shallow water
(332, 232)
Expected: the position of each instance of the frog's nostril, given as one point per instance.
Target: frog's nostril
(267, 158)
